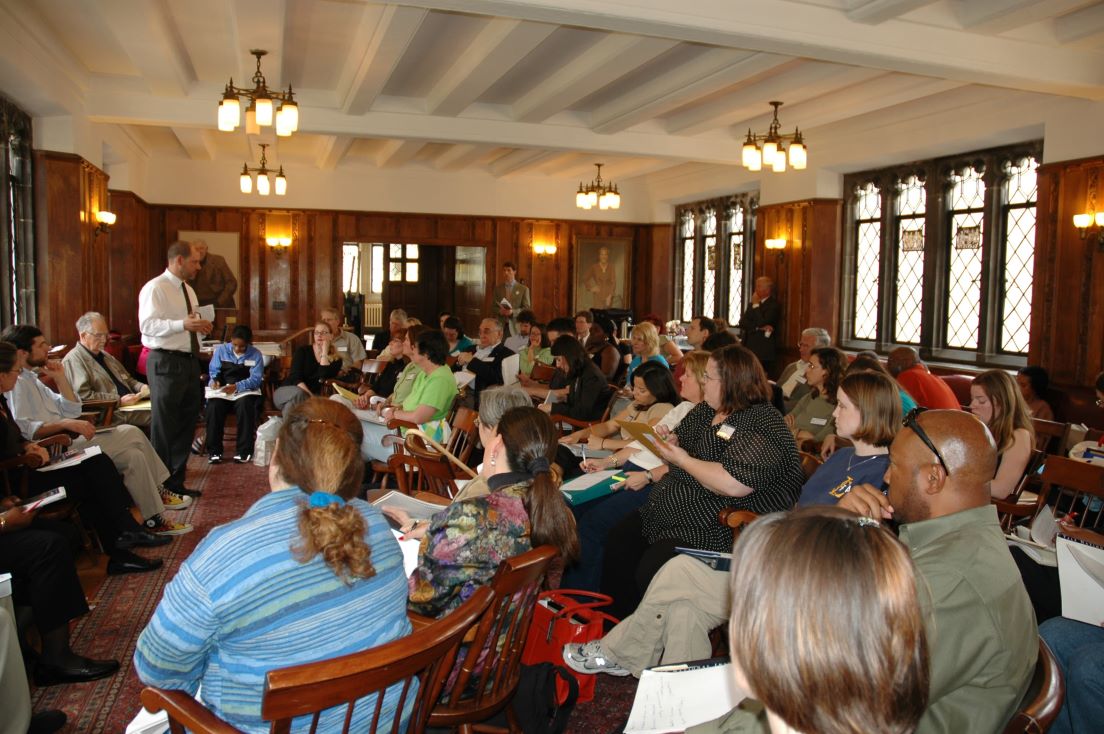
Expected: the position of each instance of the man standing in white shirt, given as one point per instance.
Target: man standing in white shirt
(792, 380)
(171, 329)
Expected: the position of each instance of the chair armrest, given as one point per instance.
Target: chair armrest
(419, 621)
(102, 411)
(396, 423)
(575, 422)
(183, 708)
(1014, 509)
(735, 518)
(15, 462)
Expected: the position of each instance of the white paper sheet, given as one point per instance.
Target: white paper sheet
(1081, 574)
(674, 700)
(587, 481)
(86, 452)
(409, 550)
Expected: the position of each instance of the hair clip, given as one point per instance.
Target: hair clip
(868, 522)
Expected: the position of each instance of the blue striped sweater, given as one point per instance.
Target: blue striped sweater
(241, 605)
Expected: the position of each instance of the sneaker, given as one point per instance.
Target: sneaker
(158, 525)
(588, 659)
(174, 501)
(197, 445)
(214, 459)
(239, 459)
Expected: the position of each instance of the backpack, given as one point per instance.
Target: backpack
(534, 703)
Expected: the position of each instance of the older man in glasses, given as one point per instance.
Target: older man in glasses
(96, 375)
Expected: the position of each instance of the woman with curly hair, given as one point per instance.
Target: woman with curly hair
(274, 587)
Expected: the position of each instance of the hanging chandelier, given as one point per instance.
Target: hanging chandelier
(766, 151)
(602, 194)
(264, 186)
(261, 111)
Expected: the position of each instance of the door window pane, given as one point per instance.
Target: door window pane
(967, 202)
(868, 259)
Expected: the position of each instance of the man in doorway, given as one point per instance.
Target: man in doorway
(396, 322)
(171, 329)
(348, 345)
(513, 292)
(760, 321)
(601, 281)
(214, 283)
(96, 375)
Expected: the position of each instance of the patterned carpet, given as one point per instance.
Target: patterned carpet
(122, 605)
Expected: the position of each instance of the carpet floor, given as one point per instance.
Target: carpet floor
(122, 606)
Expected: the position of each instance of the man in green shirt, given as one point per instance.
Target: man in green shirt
(981, 629)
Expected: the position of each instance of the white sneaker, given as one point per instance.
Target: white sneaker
(174, 501)
(589, 658)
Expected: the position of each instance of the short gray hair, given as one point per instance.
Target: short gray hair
(399, 315)
(823, 338)
(84, 323)
(495, 401)
(494, 322)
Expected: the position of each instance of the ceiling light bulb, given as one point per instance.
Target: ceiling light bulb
(281, 182)
(592, 198)
(779, 164)
(229, 113)
(246, 181)
(283, 128)
(581, 197)
(615, 201)
(263, 185)
(755, 161)
(798, 155)
(770, 151)
(291, 113)
(251, 126)
(264, 111)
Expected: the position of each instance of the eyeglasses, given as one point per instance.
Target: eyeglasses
(912, 421)
(706, 377)
(97, 334)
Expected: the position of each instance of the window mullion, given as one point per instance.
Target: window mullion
(992, 258)
(936, 263)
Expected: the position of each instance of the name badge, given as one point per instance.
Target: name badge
(250, 362)
(819, 421)
(726, 432)
(755, 305)
(801, 379)
(342, 349)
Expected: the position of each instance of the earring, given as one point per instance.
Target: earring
(494, 461)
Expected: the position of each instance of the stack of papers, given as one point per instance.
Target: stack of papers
(1038, 540)
(676, 697)
(1081, 575)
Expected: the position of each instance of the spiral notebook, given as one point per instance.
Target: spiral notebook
(676, 697)
(1081, 574)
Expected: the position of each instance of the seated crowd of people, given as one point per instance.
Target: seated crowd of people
(874, 593)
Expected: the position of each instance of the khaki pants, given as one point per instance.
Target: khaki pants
(684, 601)
(142, 469)
(15, 696)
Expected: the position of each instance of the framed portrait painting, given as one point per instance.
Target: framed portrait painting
(602, 272)
(217, 282)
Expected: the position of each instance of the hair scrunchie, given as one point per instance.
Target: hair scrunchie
(325, 499)
(539, 465)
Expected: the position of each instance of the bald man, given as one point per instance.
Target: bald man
(760, 322)
(925, 388)
(981, 633)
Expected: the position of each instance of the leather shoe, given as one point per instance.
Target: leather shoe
(84, 670)
(141, 539)
(186, 491)
(47, 722)
(126, 562)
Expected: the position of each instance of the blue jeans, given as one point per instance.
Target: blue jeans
(1079, 648)
(593, 521)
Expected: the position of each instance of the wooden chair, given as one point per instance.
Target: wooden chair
(1025, 493)
(99, 412)
(1050, 436)
(372, 369)
(487, 680)
(1043, 699)
(809, 463)
(436, 472)
(1069, 486)
(569, 425)
(736, 519)
(426, 655)
(542, 372)
(15, 472)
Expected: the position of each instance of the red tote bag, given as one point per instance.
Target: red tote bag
(562, 617)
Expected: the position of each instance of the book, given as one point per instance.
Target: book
(1081, 576)
(140, 405)
(216, 393)
(72, 458)
(347, 394)
(713, 559)
(675, 697)
(57, 494)
(592, 486)
(416, 508)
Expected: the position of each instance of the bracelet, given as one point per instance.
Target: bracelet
(602, 445)
(3, 522)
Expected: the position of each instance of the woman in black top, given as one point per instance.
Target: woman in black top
(586, 385)
(602, 346)
(731, 451)
(311, 364)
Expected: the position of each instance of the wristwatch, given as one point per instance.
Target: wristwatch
(648, 473)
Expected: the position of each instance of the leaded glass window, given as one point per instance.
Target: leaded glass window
(686, 232)
(868, 235)
(736, 264)
(911, 201)
(1020, 193)
(709, 271)
(712, 242)
(967, 209)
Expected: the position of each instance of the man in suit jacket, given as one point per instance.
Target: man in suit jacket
(96, 375)
(760, 321)
(517, 294)
(486, 361)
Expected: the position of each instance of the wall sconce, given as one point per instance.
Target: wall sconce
(541, 248)
(105, 220)
(776, 244)
(279, 231)
(1090, 226)
(278, 241)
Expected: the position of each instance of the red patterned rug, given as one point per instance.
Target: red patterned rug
(124, 604)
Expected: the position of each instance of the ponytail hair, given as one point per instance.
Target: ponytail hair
(530, 441)
(318, 450)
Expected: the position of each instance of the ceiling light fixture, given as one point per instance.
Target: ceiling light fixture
(766, 151)
(602, 194)
(261, 111)
(264, 185)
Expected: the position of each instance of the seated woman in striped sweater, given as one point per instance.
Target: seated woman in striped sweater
(257, 593)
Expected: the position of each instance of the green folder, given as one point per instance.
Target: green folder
(591, 486)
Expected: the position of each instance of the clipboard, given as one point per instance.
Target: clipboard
(644, 434)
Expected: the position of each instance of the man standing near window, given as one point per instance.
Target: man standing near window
(171, 328)
(760, 321)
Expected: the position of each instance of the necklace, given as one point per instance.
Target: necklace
(869, 458)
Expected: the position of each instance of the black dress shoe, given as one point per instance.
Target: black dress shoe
(47, 722)
(126, 562)
(185, 491)
(141, 539)
(84, 669)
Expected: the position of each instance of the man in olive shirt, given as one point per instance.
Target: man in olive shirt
(981, 629)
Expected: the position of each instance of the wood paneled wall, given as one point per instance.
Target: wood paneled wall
(72, 273)
(284, 289)
(807, 272)
(1067, 315)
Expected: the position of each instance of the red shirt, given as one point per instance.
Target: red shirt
(928, 390)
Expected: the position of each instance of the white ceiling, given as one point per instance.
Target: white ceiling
(515, 87)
